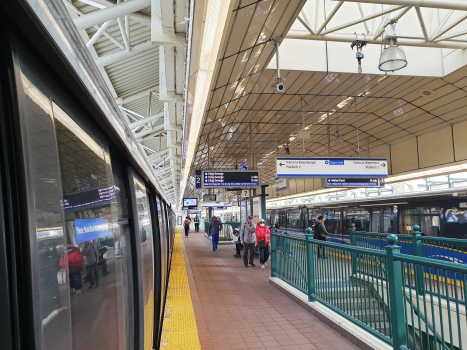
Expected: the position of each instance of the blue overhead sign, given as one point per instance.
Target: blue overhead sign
(198, 178)
(331, 167)
(89, 229)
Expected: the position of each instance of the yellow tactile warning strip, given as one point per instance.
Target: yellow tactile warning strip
(179, 329)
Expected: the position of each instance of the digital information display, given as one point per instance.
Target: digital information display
(90, 197)
(233, 178)
(353, 182)
(190, 203)
(89, 229)
(331, 167)
(209, 197)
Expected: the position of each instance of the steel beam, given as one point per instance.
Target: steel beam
(136, 96)
(136, 16)
(439, 4)
(123, 54)
(146, 120)
(111, 12)
(349, 38)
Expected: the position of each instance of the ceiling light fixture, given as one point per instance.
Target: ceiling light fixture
(392, 57)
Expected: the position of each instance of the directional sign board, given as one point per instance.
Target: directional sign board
(230, 178)
(331, 167)
(352, 182)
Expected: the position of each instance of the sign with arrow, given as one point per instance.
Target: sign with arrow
(331, 167)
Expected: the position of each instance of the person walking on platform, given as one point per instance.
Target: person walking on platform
(262, 237)
(214, 228)
(91, 257)
(320, 234)
(247, 236)
(196, 220)
(186, 226)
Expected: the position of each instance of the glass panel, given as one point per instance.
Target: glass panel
(358, 217)
(458, 179)
(438, 182)
(375, 220)
(388, 221)
(146, 246)
(163, 252)
(426, 218)
(89, 207)
(293, 219)
(49, 268)
(123, 259)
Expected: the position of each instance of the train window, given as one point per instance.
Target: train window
(88, 193)
(163, 243)
(426, 218)
(376, 220)
(51, 302)
(146, 260)
(293, 219)
(388, 220)
(358, 217)
(123, 259)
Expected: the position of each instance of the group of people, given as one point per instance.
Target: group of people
(187, 223)
(250, 236)
(93, 257)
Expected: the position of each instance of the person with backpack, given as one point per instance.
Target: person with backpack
(320, 234)
(186, 225)
(262, 237)
(75, 266)
(91, 257)
(214, 228)
(196, 220)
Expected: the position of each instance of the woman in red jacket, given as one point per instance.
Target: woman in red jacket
(262, 238)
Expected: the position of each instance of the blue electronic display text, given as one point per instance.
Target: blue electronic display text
(89, 229)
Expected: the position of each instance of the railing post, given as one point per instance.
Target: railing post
(273, 255)
(418, 251)
(353, 256)
(396, 296)
(310, 267)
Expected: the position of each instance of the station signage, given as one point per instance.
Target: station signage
(230, 178)
(321, 167)
(216, 205)
(209, 198)
(352, 182)
(282, 184)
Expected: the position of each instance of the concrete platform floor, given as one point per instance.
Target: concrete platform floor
(236, 308)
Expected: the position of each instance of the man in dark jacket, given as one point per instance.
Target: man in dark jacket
(320, 234)
(91, 258)
(214, 228)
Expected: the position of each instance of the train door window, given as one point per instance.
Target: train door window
(312, 217)
(426, 218)
(89, 207)
(358, 217)
(146, 263)
(388, 221)
(163, 242)
(376, 220)
(45, 253)
(123, 258)
(303, 219)
(293, 219)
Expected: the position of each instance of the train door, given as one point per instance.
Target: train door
(163, 251)
(332, 222)
(157, 270)
(303, 219)
(142, 227)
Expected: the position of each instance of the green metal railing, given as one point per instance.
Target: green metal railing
(407, 301)
(226, 234)
(438, 248)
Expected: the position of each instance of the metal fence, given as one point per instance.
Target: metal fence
(438, 248)
(226, 234)
(407, 301)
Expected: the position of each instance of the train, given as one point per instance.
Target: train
(439, 213)
(70, 180)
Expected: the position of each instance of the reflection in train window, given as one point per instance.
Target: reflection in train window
(426, 218)
(88, 203)
(358, 217)
(146, 246)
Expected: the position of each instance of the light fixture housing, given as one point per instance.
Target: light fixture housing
(392, 58)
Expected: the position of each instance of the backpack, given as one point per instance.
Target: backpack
(187, 223)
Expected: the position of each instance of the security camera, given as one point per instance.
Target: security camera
(280, 87)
